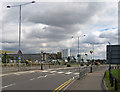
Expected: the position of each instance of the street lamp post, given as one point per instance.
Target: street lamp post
(109, 56)
(78, 55)
(92, 59)
(20, 6)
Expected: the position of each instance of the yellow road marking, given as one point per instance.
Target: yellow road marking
(63, 85)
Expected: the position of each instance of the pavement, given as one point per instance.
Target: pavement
(92, 81)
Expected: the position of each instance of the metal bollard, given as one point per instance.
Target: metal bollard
(91, 69)
(41, 66)
(116, 84)
(110, 77)
(111, 81)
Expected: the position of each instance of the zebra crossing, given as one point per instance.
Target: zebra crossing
(66, 72)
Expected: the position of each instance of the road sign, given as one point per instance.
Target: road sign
(20, 52)
(18, 58)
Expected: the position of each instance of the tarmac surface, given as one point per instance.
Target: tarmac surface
(92, 81)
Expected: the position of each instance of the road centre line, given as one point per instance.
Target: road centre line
(9, 85)
(65, 84)
(62, 85)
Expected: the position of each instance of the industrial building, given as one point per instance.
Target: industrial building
(113, 54)
(65, 53)
(33, 57)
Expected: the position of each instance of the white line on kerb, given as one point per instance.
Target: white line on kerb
(9, 85)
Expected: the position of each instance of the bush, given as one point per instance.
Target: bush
(82, 64)
(68, 65)
(87, 64)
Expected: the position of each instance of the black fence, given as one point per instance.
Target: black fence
(114, 82)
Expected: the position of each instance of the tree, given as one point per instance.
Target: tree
(68, 59)
(4, 58)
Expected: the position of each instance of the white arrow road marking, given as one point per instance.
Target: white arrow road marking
(45, 76)
(9, 85)
(42, 76)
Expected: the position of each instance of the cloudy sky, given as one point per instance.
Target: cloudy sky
(49, 26)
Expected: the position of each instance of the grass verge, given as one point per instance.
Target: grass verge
(115, 73)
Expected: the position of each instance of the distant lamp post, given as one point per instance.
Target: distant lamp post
(20, 6)
(109, 56)
(86, 56)
(91, 61)
(50, 59)
(41, 60)
(78, 55)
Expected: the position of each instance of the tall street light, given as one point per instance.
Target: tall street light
(20, 6)
(78, 55)
(92, 59)
(109, 56)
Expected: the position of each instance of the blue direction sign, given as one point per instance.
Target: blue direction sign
(18, 58)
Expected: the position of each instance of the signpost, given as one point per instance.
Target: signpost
(41, 60)
(91, 60)
(19, 58)
(79, 58)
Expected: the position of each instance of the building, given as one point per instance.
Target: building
(114, 56)
(33, 57)
(65, 53)
(59, 55)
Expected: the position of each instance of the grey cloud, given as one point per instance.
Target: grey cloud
(62, 21)
(64, 14)
(109, 34)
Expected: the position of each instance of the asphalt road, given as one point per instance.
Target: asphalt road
(38, 79)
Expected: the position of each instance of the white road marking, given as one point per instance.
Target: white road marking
(39, 77)
(68, 73)
(42, 76)
(52, 71)
(9, 85)
(32, 79)
(60, 72)
(45, 75)
(44, 71)
(31, 71)
(16, 73)
(76, 73)
(73, 77)
(52, 74)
